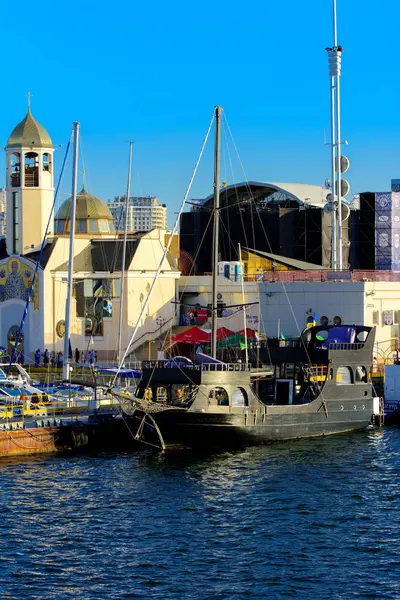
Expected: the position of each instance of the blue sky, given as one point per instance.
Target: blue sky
(151, 72)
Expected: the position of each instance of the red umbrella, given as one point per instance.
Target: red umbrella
(223, 332)
(194, 335)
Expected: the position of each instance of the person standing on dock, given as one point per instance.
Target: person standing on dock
(46, 358)
(77, 355)
(37, 357)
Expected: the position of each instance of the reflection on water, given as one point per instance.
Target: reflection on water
(310, 519)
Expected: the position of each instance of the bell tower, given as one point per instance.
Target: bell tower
(30, 189)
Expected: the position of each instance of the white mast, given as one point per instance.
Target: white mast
(76, 126)
(121, 300)
(335, 66)
(338, 144)
(333, 150)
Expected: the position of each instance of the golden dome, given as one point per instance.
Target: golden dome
(92, 215)
(29, 133)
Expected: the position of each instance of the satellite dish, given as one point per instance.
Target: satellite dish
(344, 164)
(344, 187)
(345, 210)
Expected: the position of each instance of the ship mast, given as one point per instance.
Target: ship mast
(218, 114)
(76, 126)
(121, 300)
(339, 187)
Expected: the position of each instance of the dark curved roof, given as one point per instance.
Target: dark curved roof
(259, 191)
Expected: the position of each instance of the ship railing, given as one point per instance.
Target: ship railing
(225, 367)
(15, 409)
(169, 364)
(345, 346)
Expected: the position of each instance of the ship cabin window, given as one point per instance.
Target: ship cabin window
(31, 169)
(16, 170)
(239, 397)
(361, 375)
(362, 336)
(219, 396)
(161, 394)
(344, 376)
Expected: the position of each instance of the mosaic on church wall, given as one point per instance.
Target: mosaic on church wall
(15, 281)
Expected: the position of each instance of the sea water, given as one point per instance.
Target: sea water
(309, 519)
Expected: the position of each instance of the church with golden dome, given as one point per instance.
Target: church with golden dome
(97, 249)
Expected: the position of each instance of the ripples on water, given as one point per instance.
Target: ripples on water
(313, 519)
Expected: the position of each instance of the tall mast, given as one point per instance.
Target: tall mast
(218, 114)
(338, 143)
(75, 129)
(335, 66)
(121, 300)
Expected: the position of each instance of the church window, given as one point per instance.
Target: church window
(16, 170)
(46, 162)
(93, 226)
(15, 201)
(31, 169)
(60, 224)
(103, 226)
(81, 226)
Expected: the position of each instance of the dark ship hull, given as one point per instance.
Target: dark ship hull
(316, 387)
(192, 429)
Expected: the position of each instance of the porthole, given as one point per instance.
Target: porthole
(324, 321)
(337, 320)
(322, 335)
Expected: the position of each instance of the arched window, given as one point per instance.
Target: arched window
(361, 375)
(344, 376)
(239, 397)
(219, 396)
(31, 165)
(16, 169)
(46, 162)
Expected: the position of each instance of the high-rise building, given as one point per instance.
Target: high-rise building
(144, 214)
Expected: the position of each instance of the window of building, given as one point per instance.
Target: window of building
(103, 226)
(60, 224)
(81, 226)
(16, 170)
(15, 200)
(31, 168)
(46, 162)
(93, 226)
